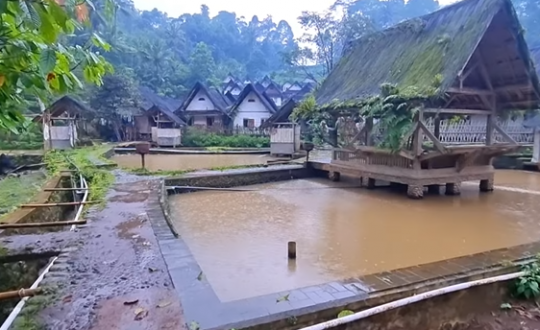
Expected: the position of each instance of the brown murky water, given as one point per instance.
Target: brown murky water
(240, 238)
(189, 162)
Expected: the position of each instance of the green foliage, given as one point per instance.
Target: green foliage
(97, 178)
(345, 313)
(35, 61)
(528, 286)
(197, 138)
(30, 139)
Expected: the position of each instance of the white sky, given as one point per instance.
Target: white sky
(288, 10)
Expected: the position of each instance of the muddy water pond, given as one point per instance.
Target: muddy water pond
(240, 238)
(189, 161)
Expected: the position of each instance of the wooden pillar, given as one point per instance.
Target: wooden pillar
(437, 131)
(453, 189)
(486, 185)
(415, 191)
(536, 146)
(369, 129)
(417, 141)
(334, 176)
(490, 121)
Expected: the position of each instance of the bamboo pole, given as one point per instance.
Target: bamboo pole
(19, 293)
(56, 204)
(65, 189)
(41, 224)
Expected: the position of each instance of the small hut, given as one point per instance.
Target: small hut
(472, 56)
(158, 121)
(284, 134)
(59, 123)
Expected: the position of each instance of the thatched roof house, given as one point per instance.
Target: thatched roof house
(64, 105)
(475, 47)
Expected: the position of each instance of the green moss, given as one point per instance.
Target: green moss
(418, 66)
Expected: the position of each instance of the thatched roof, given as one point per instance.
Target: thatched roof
(152, 102)
(535, 54)
(221, 103)
(265, 100)
(444, 43)
(64, 104)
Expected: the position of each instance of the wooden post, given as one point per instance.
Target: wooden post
(142, 161)
(41, 224)
(369, 129)
(437, 131)
(291, 247)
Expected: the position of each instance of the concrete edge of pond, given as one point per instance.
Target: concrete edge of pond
(308, 305)
(157, 151)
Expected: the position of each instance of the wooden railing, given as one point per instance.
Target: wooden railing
(351, 158)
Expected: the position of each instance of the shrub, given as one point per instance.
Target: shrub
(201, 139)
(31, 139)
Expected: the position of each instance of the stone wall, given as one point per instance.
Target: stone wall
(242, 178)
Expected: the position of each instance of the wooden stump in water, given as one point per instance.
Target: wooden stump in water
(291, 247)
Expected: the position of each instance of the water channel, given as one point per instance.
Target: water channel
(240, 238)
(189, 161)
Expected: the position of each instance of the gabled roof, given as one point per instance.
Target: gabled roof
(152, 102)
(267, 102)
(441, 44)
(296, 83)
(64, 104)
(230, 97)
(218, 99)
(273, 90)
(282, 115)
(231, 85)
(535, 54)
(266, 81)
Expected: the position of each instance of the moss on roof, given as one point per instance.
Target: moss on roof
(411, 53)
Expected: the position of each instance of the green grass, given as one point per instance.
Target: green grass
(141, 171)
(99, 180)
(19, 190)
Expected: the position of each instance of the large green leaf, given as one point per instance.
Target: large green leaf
(47, 61)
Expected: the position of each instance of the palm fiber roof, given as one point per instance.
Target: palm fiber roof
(414, 52)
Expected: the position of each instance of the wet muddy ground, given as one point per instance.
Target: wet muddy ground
(522, 316)
(115, 277)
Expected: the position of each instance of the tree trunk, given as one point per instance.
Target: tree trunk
(116, 128)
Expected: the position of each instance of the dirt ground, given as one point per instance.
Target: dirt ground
(522, 316)
(115, 277)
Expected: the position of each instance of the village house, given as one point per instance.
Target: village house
(157, 121)
(534, 122)
(205, 107)
(252, 108)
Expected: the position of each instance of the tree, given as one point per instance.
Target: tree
(329, 36)
(116, 98)
(35, 60)
(202, 65)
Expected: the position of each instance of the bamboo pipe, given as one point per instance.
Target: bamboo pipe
(57, 204)
(19, 293)
(41, 224)
(65, 189)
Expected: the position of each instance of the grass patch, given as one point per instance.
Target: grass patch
(99, 180)
(142, 172)
(19, 190)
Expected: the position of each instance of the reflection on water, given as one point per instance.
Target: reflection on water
(189, 162)
(240, 238)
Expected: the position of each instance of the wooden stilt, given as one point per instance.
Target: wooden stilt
(19, 293)
(291, 249)
(57, 204)
(41, 224)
